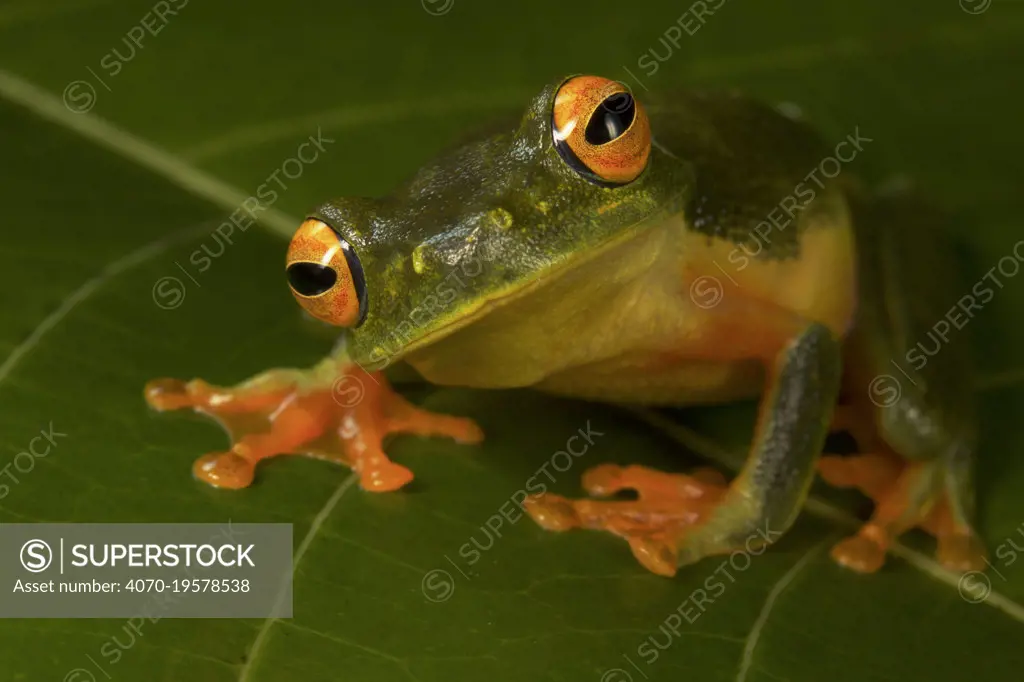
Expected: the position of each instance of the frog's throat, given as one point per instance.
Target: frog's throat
(468, 314)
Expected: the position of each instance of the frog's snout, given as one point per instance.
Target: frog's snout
(325, 275)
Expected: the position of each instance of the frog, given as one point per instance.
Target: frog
(609, 249)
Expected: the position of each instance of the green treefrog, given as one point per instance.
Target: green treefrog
(614, 250)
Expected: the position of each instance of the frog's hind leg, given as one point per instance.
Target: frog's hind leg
(908, 391)
(927, 494)
(904, 495)
(334, 411)
(960, 548)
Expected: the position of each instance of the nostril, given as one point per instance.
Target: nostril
(311, 279)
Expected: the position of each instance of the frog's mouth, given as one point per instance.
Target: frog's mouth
(375, 351)
(381, 355)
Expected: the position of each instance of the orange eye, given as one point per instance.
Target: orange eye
(600, 130)
(325, 275)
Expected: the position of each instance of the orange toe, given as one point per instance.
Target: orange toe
(384, 477)
(552, 512)
(962, 552)
(603, 480)
(168, 394)
(224, 470)
(656, 555)
(859, 554)
(873, 474)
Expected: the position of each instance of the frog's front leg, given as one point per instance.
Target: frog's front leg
(677, 528)
(334, 411)
(793, 421)
(667, 506)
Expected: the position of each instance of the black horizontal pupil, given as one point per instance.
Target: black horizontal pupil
(611, 119)
(311, 279)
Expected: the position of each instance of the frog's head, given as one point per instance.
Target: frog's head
(487, 222)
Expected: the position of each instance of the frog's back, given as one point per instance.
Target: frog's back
(747, 158)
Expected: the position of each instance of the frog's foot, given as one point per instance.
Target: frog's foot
(906, 495)
(279, 413)
(666, 506)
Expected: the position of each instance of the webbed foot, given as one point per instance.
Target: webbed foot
(287, 412)
(653, 524)
(906, 495)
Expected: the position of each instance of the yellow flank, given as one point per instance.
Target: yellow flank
(819, 284)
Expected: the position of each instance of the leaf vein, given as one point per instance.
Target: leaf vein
(781, 586)
(314, 528)
(87, 289)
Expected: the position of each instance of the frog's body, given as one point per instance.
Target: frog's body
(639, 332)
(709, 264)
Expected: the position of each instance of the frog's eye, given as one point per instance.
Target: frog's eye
(325, 275)
(600, 130)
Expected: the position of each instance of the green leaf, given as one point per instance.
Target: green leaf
(100, 207)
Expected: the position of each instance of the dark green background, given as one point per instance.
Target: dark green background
(232, 89)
